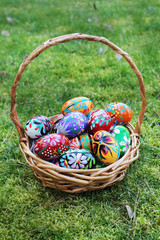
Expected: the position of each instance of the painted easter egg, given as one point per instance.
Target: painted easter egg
(100, 120)
(120, 112)
(51, 146)
(105, 147)
(73, 124)
(77, 159)
(81, 141)
(122, 136)
(37, 126)
(77, 104)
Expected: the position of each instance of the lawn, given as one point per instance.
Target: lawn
(79, 68)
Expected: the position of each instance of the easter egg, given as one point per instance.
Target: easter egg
(105, 147)
(51, 146)
(77, 104)
(120, 112)
(100, 120)
(122, 136)
(37, 126)
(73, 124)
(77, 159)
(81, 141)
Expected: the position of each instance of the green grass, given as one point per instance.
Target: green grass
(30, 211)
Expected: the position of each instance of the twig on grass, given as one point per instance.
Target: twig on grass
(123, 204)
(56, 202)
(5, 138)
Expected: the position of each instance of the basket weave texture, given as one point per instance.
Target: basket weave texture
(78, 180)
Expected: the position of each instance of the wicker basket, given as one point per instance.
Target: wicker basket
(78, 180)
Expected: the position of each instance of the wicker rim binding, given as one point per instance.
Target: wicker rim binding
(78, 180)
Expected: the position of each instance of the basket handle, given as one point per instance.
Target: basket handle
(67, 38)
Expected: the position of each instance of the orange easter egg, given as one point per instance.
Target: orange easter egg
(119, 112)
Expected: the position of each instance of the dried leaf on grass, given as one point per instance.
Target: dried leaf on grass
(131, 214)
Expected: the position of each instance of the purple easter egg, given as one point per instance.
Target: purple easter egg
(73, 124)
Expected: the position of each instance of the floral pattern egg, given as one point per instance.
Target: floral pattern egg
(122, 136)
(105, 148)
(120, 112)
(81, 141)
(51, 146)
(72, 124)
(100, 120)
(37, 126)
(77, 104)
(77, 159)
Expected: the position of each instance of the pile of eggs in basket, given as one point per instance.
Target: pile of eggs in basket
(83, 138)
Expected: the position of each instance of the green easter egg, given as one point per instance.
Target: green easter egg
(122, 136)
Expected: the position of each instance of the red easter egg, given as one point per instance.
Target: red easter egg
(51, 146)
(120, 112)
(100, 120)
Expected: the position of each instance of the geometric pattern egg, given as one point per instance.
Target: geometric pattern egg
(81, 141)
(122, 136)
(77, 104)
(100, 120)
(73, 124)
(105, 147)
(37, 126)
(120, 112)
(51, 146)
(77, 159)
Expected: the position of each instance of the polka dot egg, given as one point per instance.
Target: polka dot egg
(51, 146)
(122, 136)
